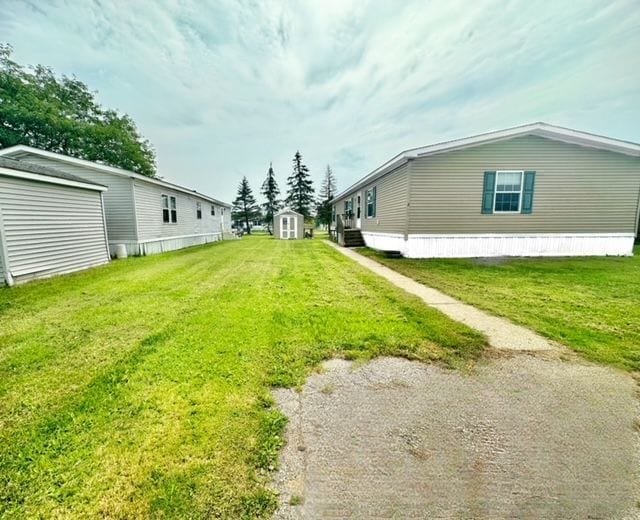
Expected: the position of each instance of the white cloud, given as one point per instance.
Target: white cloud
(223, 89)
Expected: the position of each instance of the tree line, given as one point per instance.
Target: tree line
(300, 197)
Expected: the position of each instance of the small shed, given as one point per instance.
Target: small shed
(50, 223)
(288, 225)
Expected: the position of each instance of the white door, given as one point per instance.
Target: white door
(287, 227)
(359, 210)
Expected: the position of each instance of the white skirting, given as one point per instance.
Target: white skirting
(525, 244)
(162, 245)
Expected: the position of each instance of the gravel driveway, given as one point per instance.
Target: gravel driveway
(523, 436)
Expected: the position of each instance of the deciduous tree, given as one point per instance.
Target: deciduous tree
(61, 114)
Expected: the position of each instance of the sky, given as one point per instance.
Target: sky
(223, 88)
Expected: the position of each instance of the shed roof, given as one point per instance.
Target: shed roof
(540, 129)
(288, 210)
(22, 150)
(22, 169)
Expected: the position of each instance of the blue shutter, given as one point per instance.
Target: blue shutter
(527, 192)
(487, 192)
(375, 205)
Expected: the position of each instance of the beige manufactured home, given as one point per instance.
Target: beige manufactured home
(533, 190)
(288, 225)
(146, 215)
(50, 223)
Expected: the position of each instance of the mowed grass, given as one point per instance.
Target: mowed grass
(589, 304)
(142, 388)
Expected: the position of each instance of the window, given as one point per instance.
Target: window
(198, 210)
(508, 192)
(348, 207)
(169, 212)
(358, 207)
(213, 211)
(333, 213)
(371, 202)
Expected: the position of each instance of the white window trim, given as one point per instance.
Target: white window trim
(495, 192)
(375, 203)
(164, 196)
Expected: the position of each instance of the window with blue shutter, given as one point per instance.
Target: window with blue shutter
(488, 191)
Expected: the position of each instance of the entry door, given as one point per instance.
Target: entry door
(288, 227)
(359, 210)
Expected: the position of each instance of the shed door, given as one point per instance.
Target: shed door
(288, 227)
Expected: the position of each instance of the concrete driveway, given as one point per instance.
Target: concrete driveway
(523, 436)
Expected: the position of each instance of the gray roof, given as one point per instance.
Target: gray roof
(28, 167)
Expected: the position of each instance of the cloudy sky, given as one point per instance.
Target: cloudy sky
(224, 88)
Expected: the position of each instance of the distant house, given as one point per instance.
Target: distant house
(50, 223)
(147, 215)
(533, 190)
(288, 225)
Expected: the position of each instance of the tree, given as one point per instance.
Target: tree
(244, 207)
(270, 191)
(327, 191)
(300, 192)
(61, 114)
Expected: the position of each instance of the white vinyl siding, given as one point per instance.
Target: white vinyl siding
(50, 229)
(150, 219)
(118, 199)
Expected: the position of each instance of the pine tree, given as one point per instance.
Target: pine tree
(327, 191)
(270, 191)
(244, 207)
(300, 192)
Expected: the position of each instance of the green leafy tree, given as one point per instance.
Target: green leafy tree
(300, 192)
(245, 208)
(60, 114)
(270, 191)
(327, 192)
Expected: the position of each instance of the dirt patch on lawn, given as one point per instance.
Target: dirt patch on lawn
(522, 436)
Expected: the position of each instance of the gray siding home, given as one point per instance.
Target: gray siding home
(147, 215)
(533, 190)
(288, 225)
(50, 223)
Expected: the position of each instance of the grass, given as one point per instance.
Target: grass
(142, 388)
(590, 304)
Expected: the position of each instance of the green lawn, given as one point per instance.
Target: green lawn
(590, 304)
(142, 388)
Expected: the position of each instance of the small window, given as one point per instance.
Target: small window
(198, 210)
(169, 213)
(213, 211)
(508, 192)
(333, 213)
(358, 207)
(371, 202)
(165, 209)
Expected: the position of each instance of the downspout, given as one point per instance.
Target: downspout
(637, 223)
(5, 254)
(104, 226)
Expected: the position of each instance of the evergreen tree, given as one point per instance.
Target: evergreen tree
(300, 192)
(270, 191)
(327, 192)
(244, 207)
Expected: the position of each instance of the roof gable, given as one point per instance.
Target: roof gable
(21, 150)
(540, 129)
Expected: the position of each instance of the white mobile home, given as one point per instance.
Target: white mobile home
(50, 223)
(147, 215)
